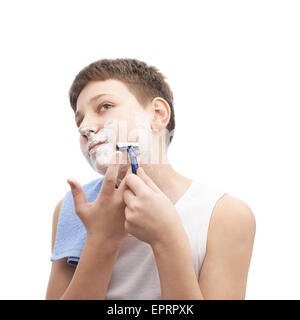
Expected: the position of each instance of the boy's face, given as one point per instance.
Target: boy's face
(115, 116)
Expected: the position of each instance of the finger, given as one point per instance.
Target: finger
(79, 197)
(136, 184)
(122, 185)
(149, 182)
(128, 214)
(111, 174)
(128, 197)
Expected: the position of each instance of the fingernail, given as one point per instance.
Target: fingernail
(70, 182)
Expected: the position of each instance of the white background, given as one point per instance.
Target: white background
(234, 70)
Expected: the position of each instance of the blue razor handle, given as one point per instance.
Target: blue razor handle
(133, 159)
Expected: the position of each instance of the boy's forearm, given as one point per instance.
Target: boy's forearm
(93, 272)
(176, 270)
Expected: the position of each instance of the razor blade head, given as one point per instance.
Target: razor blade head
(124, 145)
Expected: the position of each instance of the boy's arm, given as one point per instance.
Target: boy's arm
(91, 277)
(93, 272)
(229, 249)
(225, 268)
(174, 262)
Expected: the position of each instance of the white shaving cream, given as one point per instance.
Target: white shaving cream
(100, 156)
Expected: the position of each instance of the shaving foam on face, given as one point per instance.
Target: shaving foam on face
(100, 156)
(144, 135)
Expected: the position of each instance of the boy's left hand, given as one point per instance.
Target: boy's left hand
(150, 215)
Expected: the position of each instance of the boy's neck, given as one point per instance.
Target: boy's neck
(170, 182)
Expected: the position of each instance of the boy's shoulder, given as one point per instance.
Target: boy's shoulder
(232, 222)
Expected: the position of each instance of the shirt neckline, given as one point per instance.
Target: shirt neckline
(185, 194)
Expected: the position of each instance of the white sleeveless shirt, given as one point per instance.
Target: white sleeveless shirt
(135, 275)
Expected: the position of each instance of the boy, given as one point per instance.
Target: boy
(152, 235)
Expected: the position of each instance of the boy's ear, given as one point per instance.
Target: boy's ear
(161, 114)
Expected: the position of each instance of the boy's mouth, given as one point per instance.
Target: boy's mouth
(94, 145)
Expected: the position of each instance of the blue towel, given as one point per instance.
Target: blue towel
(71, 233)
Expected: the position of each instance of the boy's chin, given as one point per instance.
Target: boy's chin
(101, 169)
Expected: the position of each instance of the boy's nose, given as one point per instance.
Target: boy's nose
(87, 131)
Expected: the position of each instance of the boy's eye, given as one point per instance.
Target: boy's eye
(104, 107)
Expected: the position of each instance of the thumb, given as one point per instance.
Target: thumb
(79, 198)
(148, 181)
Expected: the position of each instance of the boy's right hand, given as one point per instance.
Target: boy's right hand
(105, 216)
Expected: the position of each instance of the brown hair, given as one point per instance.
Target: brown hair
(145, 82)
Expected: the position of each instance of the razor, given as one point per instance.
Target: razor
(131, 148)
